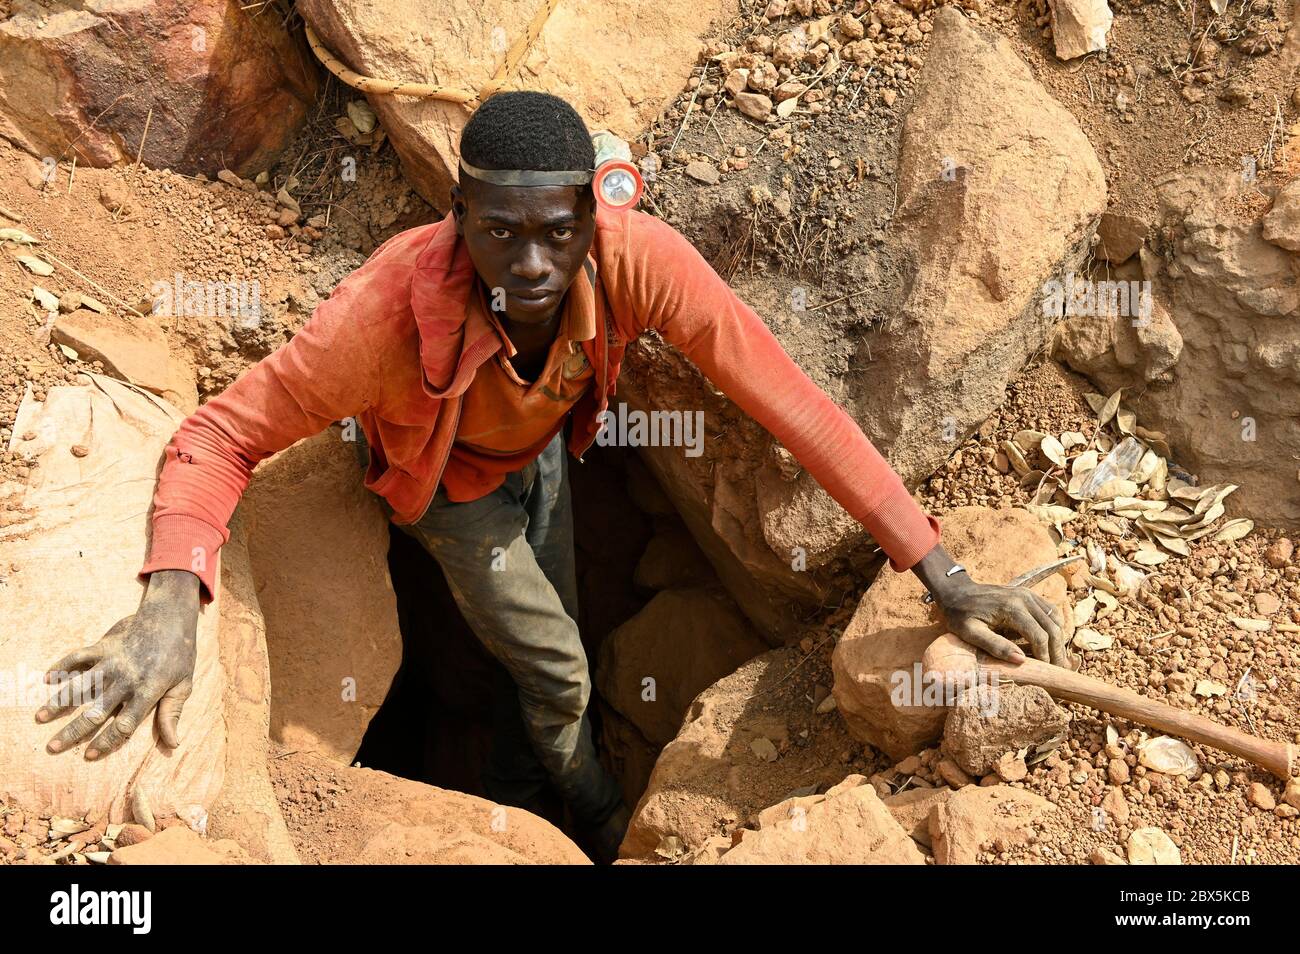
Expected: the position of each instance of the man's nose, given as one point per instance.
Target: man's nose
(531, 263)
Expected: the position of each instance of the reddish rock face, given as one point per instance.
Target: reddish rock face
(227, 89)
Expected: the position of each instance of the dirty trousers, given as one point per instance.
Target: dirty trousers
(509, 562)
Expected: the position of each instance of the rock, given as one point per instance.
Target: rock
(1279, 552)
(847, 825)
(332, 633)
(952, 774)
(66, 69)
(1010, 768)
(912, 809)
(1114, 804)
(179, 845)
(877, 659)
(1151, 846)
(392, 820)
(705, 172)
(132, 834)
(671, 559)
(1259, 795)
(1079, 26)
(976, 815)
(1292, 794)
(1282, 224)
(1095, 344)
(982, 726)
(1104, 856)
(1121, 236)
(1266, 604)
(697, 788)
(682, 640)
(133, 350)
(619, 73)
(754, 105)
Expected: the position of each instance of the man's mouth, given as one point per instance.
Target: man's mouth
(534, 300)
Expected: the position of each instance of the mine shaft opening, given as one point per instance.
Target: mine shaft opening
(436, 722)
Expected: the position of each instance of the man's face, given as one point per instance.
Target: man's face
(527, 242)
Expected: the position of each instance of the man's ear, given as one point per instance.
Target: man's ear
(459, 206)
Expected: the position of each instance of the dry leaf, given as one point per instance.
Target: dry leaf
(1053, 450)
(1109, 408)
(1234, 530)
(35, 265)
(1089, 640)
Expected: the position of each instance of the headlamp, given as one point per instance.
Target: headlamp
(615, 181)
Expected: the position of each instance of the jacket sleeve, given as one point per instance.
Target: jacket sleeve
(677, 293)
(327, 372)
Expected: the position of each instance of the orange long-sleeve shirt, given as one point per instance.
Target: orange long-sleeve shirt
(396, 347)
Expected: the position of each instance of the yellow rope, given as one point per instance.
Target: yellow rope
(370, 84)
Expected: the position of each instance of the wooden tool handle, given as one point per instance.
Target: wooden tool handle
(1276, 757)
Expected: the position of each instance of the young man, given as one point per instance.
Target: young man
(462, 348)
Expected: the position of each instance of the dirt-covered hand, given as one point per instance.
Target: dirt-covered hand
(978, 612)
(143, 661)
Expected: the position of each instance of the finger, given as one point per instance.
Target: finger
(115, 734)
(90, 719)
(169, 712)
(978, 634)
(69, 665)
(1048, 617)
(1022, 621)
(82, 688)
(85, 657)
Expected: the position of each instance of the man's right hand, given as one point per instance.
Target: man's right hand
(145, 660)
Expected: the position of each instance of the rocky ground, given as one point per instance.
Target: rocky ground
(808, 200)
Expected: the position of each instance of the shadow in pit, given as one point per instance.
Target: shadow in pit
(436, 723)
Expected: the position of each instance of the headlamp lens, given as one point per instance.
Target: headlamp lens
(617, 187)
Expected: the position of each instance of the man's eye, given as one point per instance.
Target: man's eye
(568, 233)
(505, 233)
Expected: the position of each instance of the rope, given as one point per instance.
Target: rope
(370, 84)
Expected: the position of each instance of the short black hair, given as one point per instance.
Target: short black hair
(525, 129)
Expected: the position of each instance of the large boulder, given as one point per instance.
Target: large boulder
(220, 84)
(1223, 338)
(332, 632)
(619, 62)
(655, 664)
(878, 687)
(997, 190)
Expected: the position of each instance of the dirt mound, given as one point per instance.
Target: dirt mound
(344, 815)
